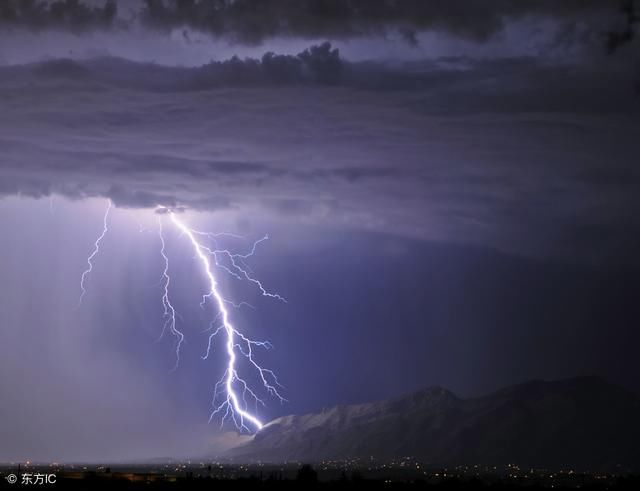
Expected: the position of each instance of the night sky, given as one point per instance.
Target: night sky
(450, 190)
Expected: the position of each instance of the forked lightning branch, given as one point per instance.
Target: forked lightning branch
(233, 395)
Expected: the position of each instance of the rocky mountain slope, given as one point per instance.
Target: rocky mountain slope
(582, 422)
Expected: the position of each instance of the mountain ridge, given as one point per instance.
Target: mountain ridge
(583, 422)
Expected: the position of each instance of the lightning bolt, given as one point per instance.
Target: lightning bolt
(169, 310)
(96, 249)
(231, 391)
(238, 268)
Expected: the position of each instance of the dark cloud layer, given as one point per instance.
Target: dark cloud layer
(252, 22)
(75, 15)
(319, 65)
(519, 154)
(249, 21)
(625, 32)
(503, 84)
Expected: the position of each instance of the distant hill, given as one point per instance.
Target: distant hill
(583, 422)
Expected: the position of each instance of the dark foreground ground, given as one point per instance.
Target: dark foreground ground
(402, 474)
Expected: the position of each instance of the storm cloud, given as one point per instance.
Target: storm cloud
(432, 150)
(250, 22)
(245, 21)
(76, 15)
